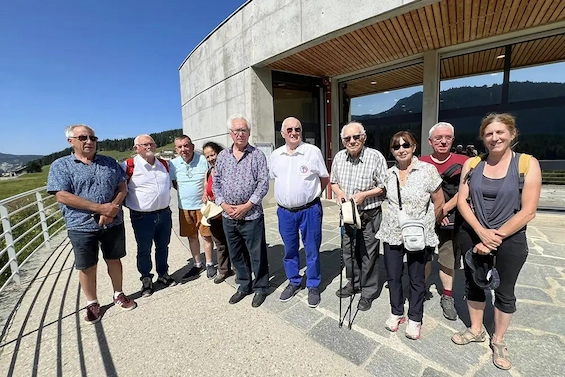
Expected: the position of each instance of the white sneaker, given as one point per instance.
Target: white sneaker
(394, 321)
(413, 330)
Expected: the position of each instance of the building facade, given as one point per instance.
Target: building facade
(391, 64)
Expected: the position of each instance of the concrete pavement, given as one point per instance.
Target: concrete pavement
(191, 330)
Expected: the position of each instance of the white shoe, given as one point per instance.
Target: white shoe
(413, 330)
(394, 321)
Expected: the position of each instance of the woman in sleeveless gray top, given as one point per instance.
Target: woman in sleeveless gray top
(496, 210)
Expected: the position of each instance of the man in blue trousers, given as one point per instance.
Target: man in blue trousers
(300, 175)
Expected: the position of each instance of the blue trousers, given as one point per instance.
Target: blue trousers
(247, 246)
(309, 222)
(148, 228)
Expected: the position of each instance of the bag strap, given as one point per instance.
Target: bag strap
(450, 170)
(398, 191)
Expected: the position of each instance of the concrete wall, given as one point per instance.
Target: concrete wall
(217, 79)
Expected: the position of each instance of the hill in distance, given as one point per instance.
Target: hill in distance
(8, 162)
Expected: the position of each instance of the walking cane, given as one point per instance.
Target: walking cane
(353, 245)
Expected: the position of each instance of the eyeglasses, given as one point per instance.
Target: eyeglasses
(404, 145)
(296, 129)
(85, 137)
(241, 131)
(438, 139)
(189, 170)
(145, 145)
(347, 139)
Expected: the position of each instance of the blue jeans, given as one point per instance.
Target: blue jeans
(150, 227)
(243, 235)
(309, 222)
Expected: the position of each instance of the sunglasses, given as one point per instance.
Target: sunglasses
(145, 145)
(296, 129)
(405, 146)
(347, 139)
(85, 137)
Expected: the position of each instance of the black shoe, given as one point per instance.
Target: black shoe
(364, 304)
(220, 278)
(347, 291)
(448, 306)
(211, 271)
(146, 287)
(313, 297)
(289, 292)
(193, 273)
(258, 299)
(167, 280)
(237, 297)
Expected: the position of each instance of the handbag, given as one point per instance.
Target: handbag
(413, 230)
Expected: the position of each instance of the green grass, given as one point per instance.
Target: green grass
(23, 183)
(27, 182)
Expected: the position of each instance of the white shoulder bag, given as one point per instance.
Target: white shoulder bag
(413, 230)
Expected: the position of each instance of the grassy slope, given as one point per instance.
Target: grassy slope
(26, 182)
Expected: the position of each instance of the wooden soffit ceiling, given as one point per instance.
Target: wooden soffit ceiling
(435, 26)
(523, 54)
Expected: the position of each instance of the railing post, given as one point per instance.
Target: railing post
(43, 218)
(7, 228)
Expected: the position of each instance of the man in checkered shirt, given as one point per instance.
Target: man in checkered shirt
(358, 172)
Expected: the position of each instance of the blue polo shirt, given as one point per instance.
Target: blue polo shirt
(190, 180)
(96, 182)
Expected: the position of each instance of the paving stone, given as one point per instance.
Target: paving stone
(531, 275)
(390, 363)
(352, 345)
(436, 345)
(489, 370)
(275, 305)
(302, 316)
(546, 318)
(551, 235)
(431, 372)
(536, 355)
(551, 249)
(533, 294)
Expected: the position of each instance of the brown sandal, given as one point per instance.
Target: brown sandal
(467, 336)
(499, 353)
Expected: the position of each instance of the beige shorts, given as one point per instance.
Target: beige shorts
(449, 253)
(190, 226)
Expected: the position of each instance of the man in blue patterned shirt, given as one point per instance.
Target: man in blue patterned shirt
(90, 189)
(241, 180)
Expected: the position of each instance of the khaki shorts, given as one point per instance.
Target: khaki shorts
(449, 252)
(190, 226)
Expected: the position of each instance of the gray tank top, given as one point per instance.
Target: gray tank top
(495, 201)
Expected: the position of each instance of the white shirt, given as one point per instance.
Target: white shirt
(297, 175)
(149, 188)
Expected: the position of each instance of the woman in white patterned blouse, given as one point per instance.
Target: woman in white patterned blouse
(420, 186)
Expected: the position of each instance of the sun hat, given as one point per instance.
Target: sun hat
(350, 214)
(209, 211)
(485, 273)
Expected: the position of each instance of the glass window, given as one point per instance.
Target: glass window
(534, 83)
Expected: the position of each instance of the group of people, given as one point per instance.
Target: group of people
(220, 193)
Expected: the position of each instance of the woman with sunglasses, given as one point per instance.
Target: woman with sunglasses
(211, 150)
(415, 187)
(496, 210)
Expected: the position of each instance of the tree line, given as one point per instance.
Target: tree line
(161, 138)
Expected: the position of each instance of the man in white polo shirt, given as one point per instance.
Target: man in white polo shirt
(300, 175)
(148, 198)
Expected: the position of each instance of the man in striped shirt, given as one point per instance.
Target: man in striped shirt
(358, 172)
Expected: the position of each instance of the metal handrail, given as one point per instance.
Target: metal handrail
(13, 255)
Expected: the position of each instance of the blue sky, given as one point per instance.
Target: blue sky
(111, 64)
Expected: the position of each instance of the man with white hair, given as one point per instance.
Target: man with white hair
(149, 187)
(241, 181)
(90, 189)
(358, 172)
(300, 176)
(449, 166)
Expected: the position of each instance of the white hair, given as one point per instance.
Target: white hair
(70, 130)
(441, 125)
(236, 117)
(290, 118)
(353, 124)
(136, 140)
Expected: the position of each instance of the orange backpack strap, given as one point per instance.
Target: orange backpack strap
(129, 168)
(165, 163)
